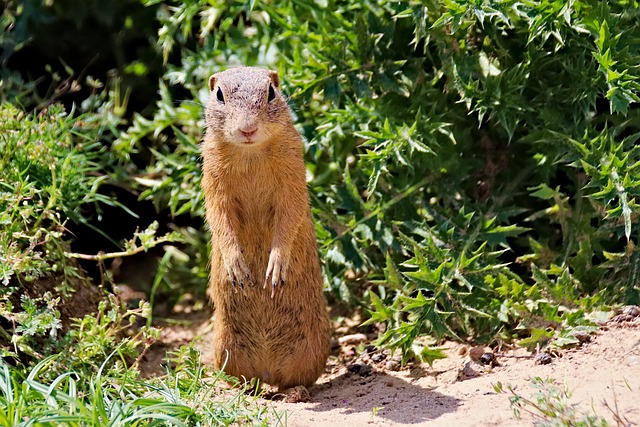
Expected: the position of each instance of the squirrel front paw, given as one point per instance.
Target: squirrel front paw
(277, 269)
(237, 269)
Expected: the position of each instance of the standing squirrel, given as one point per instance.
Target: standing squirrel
(270, 320)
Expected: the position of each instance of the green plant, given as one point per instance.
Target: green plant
(473, 165)
(550, 406)
(51, 168)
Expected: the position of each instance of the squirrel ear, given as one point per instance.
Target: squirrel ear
(212, 82)
(274, 78)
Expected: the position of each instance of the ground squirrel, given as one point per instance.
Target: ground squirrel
(270, 320)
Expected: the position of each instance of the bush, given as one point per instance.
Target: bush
(474, 164)
(44, 182)
(51, 170)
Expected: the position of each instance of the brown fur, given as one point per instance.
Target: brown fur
(270, 319)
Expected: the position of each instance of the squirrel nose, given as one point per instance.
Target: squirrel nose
(249, 130)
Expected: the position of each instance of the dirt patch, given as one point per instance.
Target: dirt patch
(184, 328)
(455, 391)
(362, 385)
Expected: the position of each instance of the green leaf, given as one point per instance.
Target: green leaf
(544, 192)
(539, 338)
(430, 354)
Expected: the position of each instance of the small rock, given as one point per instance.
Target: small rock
(297, 394)
(488, 359)
(470, 369)
(377, 358)
(627, 314)
(352, 339)
(633, 361)
(476, 352)
(365, 371)
(393, 365)
(370, 348)
(583, 337)
(354, 368)
(360, 369)
(619, 318)
(542, 359)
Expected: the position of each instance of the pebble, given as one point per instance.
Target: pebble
(377, 358)
(471, 369)
(360, 369)
(488, 359)
(297, 394)
(393, 365)
(583, 337)
(352, 339)
(476, 352)
(542, 359)
(370, 348)
(628, 314)
(633, 361)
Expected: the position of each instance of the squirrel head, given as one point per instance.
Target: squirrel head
(246, 107)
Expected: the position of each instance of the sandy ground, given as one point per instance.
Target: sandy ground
(456, 391)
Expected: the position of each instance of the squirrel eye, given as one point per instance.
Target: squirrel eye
(272, 94)
(220, 96)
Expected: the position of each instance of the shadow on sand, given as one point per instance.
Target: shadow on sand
(387, 397)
